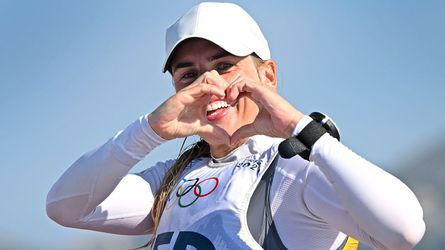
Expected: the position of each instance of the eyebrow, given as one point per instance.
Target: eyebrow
(220, 54)
(182, 65)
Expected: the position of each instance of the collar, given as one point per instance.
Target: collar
(253, 145)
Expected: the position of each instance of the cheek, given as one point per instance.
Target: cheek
(178, 86)
(231, 76)
(248, 108)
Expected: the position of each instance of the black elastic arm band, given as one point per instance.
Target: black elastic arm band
(302, 143)
(292, 147)
(327, 124)
(311, 133)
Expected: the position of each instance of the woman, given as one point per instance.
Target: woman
(211, 196)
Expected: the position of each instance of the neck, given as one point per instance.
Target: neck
(222, 150)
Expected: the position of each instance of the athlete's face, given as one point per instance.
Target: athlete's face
(197, 56)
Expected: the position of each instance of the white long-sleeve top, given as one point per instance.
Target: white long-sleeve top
(315, 204)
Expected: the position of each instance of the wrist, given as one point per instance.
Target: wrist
(151, 126)
(295, 124)
(148, 130)
(302, 123)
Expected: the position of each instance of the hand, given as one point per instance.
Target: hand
(276, 117)
(184, 113)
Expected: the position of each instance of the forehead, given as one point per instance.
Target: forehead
(193, 47)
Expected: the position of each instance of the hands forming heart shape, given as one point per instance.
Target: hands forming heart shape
(185, 113)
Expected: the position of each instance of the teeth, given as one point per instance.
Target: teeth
(216, 105)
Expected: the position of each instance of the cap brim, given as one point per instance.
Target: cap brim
(237, 49)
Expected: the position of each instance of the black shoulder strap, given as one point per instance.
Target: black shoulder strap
(259, 216)
(260, 221)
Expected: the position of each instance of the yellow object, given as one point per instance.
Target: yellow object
(351, 244)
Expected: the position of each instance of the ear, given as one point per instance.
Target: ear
(267, 72)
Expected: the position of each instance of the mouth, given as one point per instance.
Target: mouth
(217, 110)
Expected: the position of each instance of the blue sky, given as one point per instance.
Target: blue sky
(73, 73)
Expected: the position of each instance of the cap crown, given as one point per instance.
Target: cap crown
(225, 24)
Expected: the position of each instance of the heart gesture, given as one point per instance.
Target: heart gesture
(184, 113)
(276, 117)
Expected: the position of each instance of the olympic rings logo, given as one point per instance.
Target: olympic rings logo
(191, 190)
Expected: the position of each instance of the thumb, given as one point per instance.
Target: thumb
(214, 135)
(243, 132)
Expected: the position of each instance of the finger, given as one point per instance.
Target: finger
(243, 132)
(242, 85)
(235, 89)
(212, 81)
(214, 134)
(214, 78)
(232, 95)
(211, 78)
(191, 95)
(263, 94)
(208, 89)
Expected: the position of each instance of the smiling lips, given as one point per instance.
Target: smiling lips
(216, 110)
(216, 105)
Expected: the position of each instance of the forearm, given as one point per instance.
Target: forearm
(97, 173)
(380, 204)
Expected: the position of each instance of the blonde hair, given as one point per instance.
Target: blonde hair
(198, 149)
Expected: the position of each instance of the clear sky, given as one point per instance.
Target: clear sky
(73, 73)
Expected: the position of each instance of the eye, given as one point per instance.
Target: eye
(223, 67)
(189, 76)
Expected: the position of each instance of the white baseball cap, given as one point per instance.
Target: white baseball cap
(225, 24)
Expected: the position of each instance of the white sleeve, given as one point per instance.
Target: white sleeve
(97, 192)
(377, 207)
